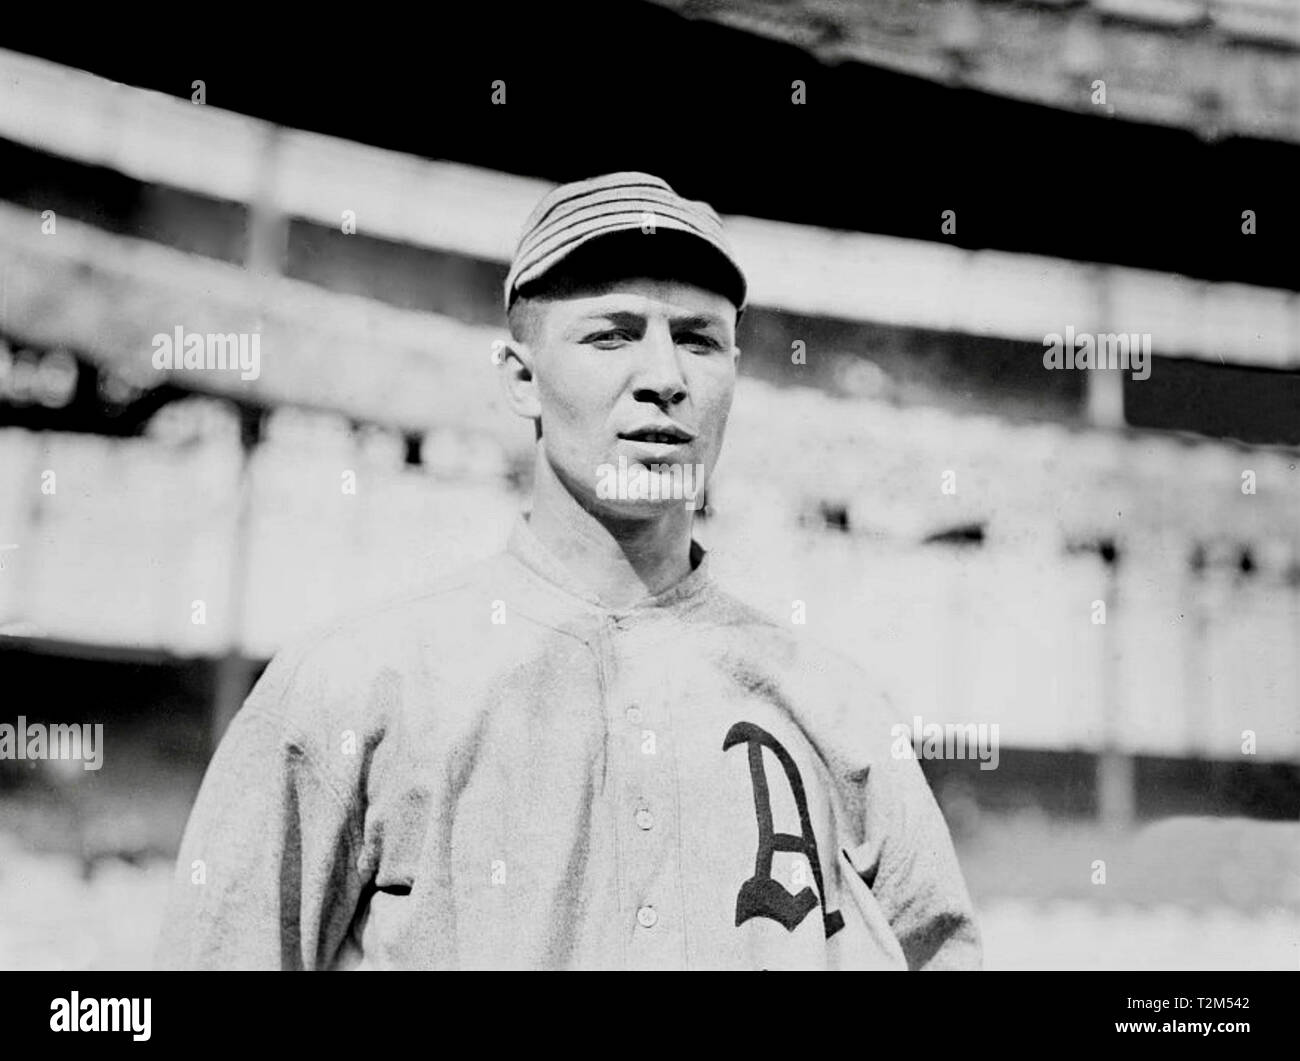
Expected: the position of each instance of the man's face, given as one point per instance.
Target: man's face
(641, 369)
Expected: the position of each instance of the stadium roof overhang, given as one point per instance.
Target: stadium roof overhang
(1217, 67)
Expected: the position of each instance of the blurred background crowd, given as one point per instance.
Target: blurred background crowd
(899, 459)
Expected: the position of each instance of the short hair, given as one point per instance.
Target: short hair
(524, 319)
(663, 255)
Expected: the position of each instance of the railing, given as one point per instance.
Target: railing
(474, 212)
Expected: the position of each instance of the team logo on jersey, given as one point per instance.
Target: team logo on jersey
(762, 895)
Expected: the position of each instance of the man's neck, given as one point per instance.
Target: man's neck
(619, 561)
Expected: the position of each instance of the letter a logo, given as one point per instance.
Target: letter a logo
(762, 895)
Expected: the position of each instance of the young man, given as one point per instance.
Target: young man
(581, 753)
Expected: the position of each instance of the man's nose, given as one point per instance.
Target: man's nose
(659, 377)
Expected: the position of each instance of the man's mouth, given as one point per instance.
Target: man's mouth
(662, 435)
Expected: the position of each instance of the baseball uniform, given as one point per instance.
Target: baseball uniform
(501, 772)
(504, 772)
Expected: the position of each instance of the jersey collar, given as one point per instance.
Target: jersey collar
(528, 549)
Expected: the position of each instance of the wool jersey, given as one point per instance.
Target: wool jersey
(502, 772)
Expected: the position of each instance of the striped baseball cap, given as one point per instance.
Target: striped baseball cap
(624, 224)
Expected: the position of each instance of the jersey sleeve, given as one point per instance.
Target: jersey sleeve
(267, 876)
(909, 863)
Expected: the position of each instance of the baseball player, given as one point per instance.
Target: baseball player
(581, 753)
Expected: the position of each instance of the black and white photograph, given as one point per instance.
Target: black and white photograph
(745, 485)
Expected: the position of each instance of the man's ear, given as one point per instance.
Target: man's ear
(518, 380)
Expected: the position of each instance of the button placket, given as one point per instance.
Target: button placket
(651, 874)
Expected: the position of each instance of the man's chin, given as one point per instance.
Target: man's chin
(620, 510)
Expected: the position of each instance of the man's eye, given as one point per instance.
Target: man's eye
(695, 339)
(611, 338)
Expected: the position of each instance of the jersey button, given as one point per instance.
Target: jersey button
(645, 819)
(634, 715)
(646, 917)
